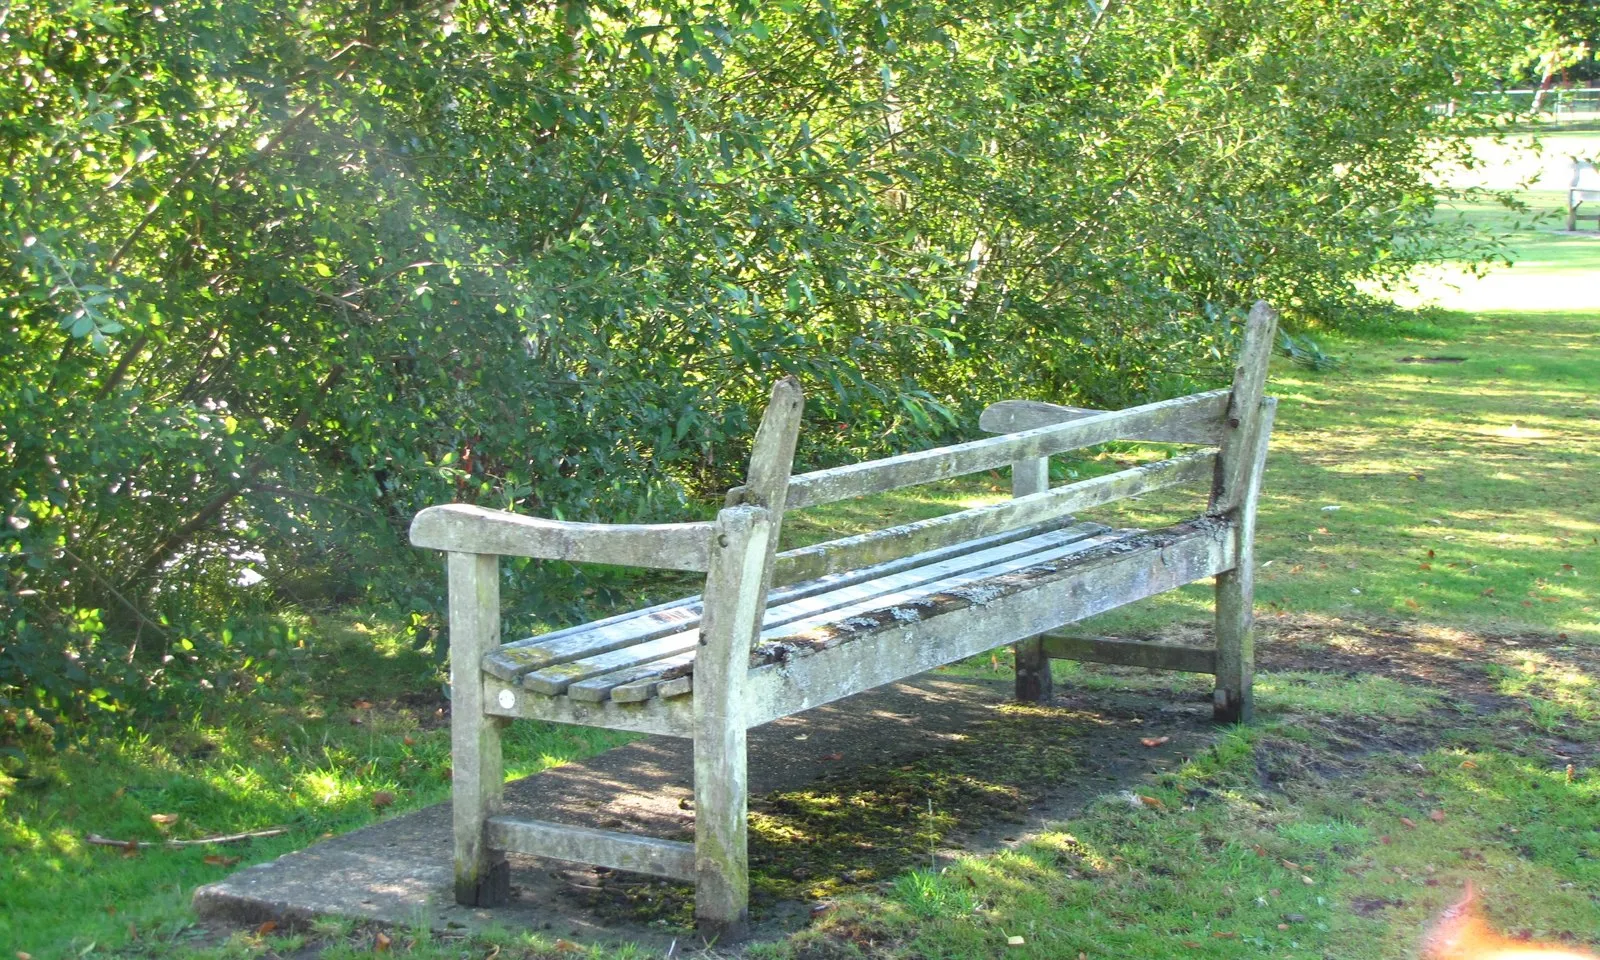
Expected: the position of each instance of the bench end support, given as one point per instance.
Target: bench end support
(483, 878)
(734, 599)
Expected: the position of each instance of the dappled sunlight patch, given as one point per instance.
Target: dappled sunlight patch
(927, 895)
(1069, 849)
(326, 787)
(1562, 696)
(1368, 695)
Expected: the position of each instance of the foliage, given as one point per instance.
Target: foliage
(278, 274)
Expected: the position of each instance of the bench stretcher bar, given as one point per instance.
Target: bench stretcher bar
(672, 859)
(1130, 653)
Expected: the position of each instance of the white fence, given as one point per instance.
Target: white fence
(1559, 103)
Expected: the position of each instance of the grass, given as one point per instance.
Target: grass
(356, 733)
(1321, 866)
(1428, 674)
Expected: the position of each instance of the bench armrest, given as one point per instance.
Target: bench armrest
(463, 528)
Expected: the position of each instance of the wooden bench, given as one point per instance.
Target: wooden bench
(775, 633)
(1585, 185)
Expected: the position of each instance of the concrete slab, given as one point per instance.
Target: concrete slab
(399, 871)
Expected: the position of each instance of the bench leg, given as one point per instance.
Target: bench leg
(1028, 477)
(734, 598)
(1034, 683)
(721, 834)
(1572, 216)
(1236, 649)
(483, 878)
(1236, 590)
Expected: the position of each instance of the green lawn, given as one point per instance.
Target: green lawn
(1429, 660)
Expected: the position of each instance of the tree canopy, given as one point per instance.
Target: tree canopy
(275, 274)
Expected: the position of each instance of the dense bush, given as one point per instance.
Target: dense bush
(278, 274)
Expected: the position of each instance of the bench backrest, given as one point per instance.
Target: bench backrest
(1585, 177)
(738, 552)
(1030, 433)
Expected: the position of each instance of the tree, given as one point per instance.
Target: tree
(278, 274)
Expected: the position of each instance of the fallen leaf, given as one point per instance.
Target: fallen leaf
(130, 849)
(164, 818)
(1430, 553)
(1408, 822)
(1385, 840)
(218, 860)
(567, 946)
(1153, 803)
(381, 942)
(1283, 926)
(1437, 816)
(1308, 881)
(1260, 850)
(1224, 934)
(1154, 741)
(1468, 765)
(408, 740)
(831, 756)
(383, 798)
(266, 928)
(1572, 773)
(1424, 566)
(1567, 566)
(1487, 593)
(1015, 941)
(28, 956)
(1290, 864)
(362, 704)
(1413, 604)
(1191, 944)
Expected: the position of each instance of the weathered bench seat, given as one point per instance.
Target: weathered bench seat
(776, 633)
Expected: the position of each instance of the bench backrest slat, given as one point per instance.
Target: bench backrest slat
(894, 542)
(1585, 176)
(1011, 416)
(924, 466)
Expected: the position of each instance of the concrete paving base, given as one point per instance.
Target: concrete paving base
(399, 871)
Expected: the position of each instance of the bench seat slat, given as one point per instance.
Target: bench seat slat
(889, 596)
(1103, 574)
(557, 678)
(513, 660)
(1027, 603)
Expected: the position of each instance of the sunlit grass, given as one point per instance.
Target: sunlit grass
(1364, 696)
(362, 737)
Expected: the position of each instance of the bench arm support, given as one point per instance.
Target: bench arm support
(463, 528)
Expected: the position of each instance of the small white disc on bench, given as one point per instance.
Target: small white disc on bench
(507, 699)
